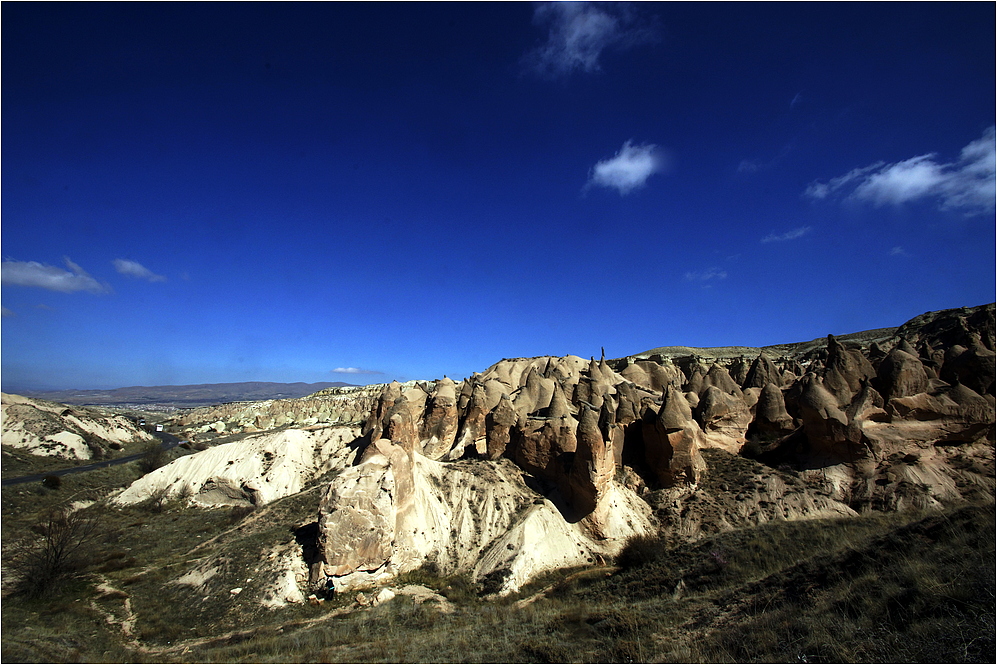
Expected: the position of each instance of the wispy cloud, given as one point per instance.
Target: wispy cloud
(354, 370)
(967, 183)
(628, 170)
(898, 251)
(7, 313)
(788, 235)
(32, 273)
(578, 34)
(707, 275)
(748, 166)
(136, 270)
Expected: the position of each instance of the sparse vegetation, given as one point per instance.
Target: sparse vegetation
(902, 588)
(59, 550)
(154, 457)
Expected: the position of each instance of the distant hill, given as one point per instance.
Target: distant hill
(204, 394)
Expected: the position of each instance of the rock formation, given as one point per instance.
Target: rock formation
(252, 471)
(589, 434)
(71, 432)
(332, 406)
(538, 463)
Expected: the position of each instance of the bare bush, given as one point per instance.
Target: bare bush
(63, 549)
(156, 503)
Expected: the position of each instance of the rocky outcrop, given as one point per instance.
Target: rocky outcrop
(332, 406)
(453, 472)
(901, 374)
(538, 463)
(772, 420)
(397, 510)
(252, 471)
(439, 424)
(70, 432)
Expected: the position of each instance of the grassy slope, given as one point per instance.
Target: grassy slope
(899, 588)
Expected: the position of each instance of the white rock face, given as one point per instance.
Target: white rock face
(48, 428)
(398, 510)
(255, 470)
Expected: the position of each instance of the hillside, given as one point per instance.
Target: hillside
(825, 501)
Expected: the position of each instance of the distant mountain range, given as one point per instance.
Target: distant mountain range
(204, 394)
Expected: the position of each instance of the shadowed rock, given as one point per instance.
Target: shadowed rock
(761, 372)
(771, 418)
(974, 368)
(472, 427)
(724, 418)
(401, 429)
(377, 422)
(844, 371)
(720, 378)
(439, 428)
(672, 441)
(901, 374)
(498, 423)
(593, 466)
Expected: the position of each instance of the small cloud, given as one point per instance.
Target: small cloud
(42, 305)
(628, 170)
(748, 166)
(579, 33)
(788, 235)
(967, 183)
(7, 313)
(706, 275)
(898, 251)
(354, 370)
(136, 270)
(795, 101)
(32, 273)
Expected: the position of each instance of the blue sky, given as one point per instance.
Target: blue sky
(197, 193)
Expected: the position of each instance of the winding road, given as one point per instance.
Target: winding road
(168, 442)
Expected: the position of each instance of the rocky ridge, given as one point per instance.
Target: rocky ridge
(75, 433)
(331, 406)
(902, 418)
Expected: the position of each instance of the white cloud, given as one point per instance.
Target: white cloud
(628, 170)
(788, 235)
(898, 251)
(706, 275)
(354, 370)
(7, 313)
(967, 184)
(136, 270)
(32, 273)
(579, 33)
(748, 166)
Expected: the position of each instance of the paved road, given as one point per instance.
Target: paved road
(169, 441)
